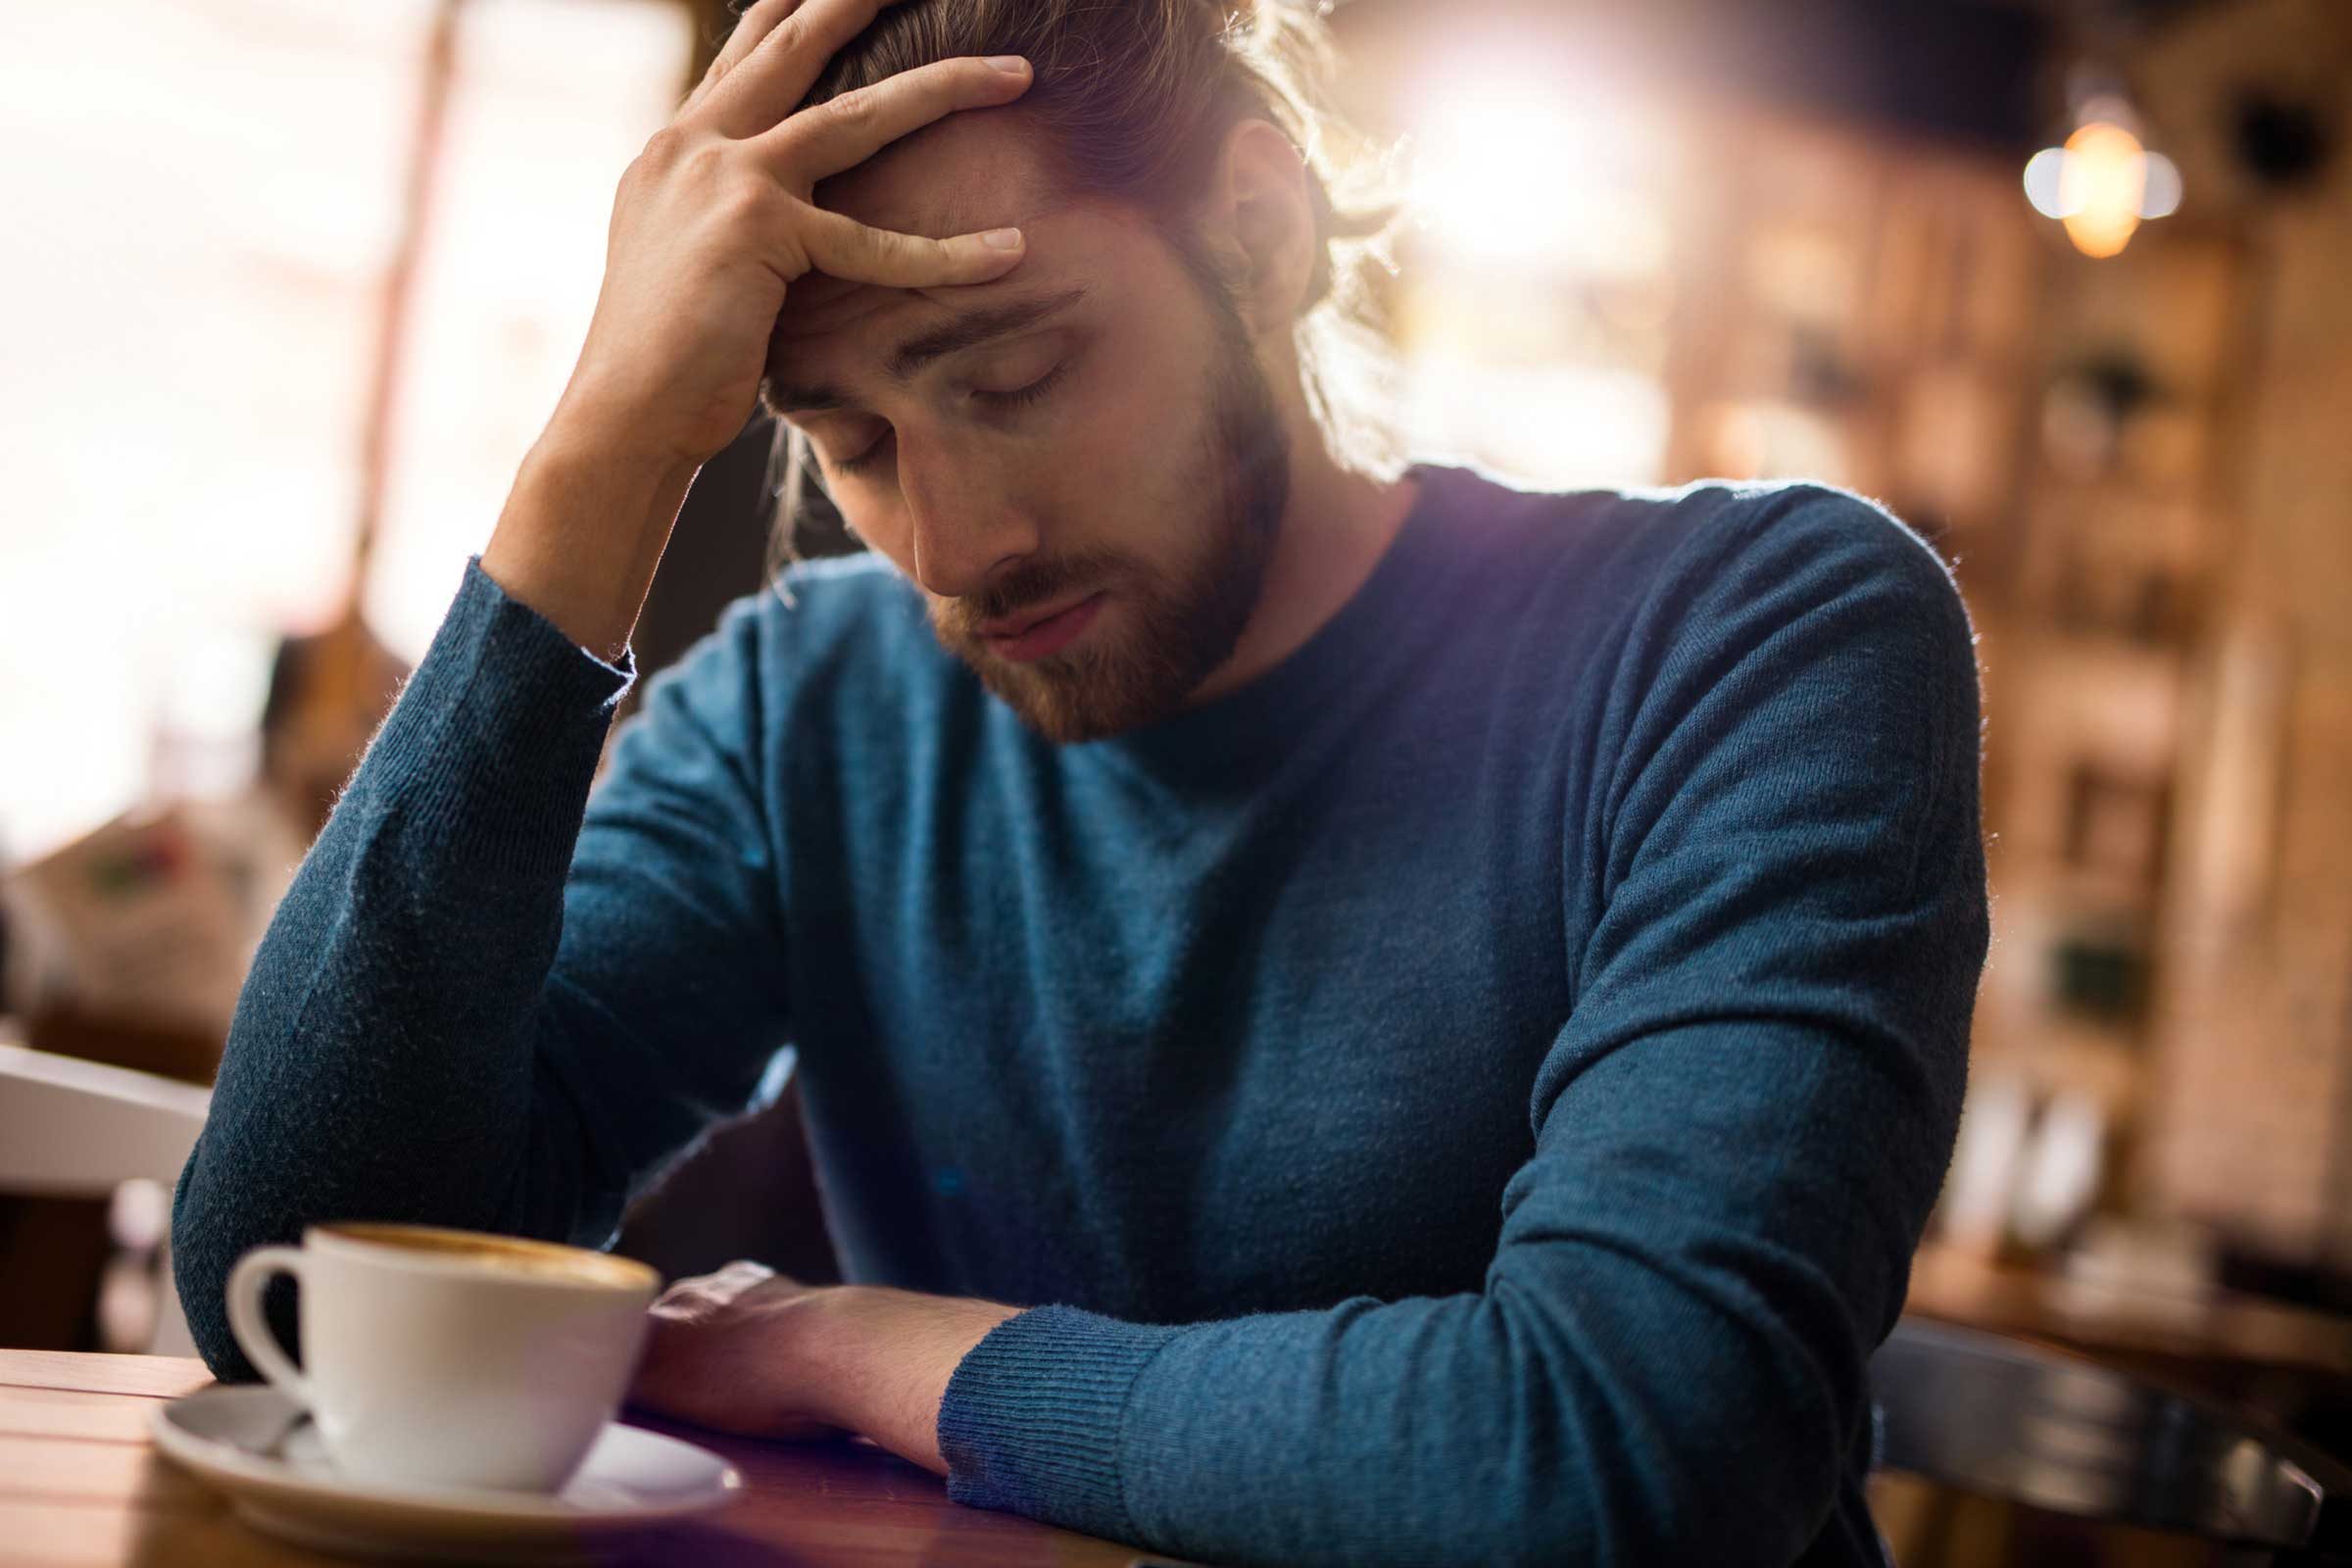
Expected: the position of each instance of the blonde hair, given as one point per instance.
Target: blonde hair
(1133, 99)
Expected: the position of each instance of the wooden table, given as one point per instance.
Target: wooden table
(80, 1483)
(2220, 1328)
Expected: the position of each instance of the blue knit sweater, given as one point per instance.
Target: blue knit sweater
(1469, 1095)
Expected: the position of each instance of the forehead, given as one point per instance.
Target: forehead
(974, 169)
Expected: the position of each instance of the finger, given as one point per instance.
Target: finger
(755, 24)
(758, 20)
(851, 128)
(855, 253)
(682, 1299)
(785, 63)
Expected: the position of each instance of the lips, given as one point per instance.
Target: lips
(1054, 631)
(1013, 625)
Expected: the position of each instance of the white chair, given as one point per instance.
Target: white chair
(82, 1129)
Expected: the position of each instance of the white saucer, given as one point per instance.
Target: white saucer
(630, 1478)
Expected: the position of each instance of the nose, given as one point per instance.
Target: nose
(964, 526)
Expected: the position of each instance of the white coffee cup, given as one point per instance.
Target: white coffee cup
(444, 1357)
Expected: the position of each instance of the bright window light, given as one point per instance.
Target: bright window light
(1557, 427)
(1533, 327)
(553, 99)
(202, 204)
(1540, 175)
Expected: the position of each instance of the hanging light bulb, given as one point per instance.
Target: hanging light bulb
(2104, 182)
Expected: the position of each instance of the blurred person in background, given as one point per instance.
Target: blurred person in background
(1347, 1012)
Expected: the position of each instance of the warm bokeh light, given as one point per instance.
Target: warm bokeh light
(2101, 185)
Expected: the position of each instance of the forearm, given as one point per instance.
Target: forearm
(1625, 1419)
(381, 1058)
(1665, 1362)
(582, 532)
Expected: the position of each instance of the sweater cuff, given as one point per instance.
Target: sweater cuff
(552, 682)
(494, 743)
(1032, 1417)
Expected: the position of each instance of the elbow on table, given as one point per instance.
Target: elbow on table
(206, 1244)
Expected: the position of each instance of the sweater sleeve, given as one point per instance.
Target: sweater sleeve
(475, 1009)
(1739, 1130)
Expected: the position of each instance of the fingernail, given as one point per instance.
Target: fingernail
(1015, 64)
(1002, 239)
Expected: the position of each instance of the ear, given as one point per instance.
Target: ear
(1258, 213)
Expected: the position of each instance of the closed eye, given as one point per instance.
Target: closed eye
(863, 460)
(1017, 397)
(1022, 396)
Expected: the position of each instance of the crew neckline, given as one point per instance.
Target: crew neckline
(1232, 732)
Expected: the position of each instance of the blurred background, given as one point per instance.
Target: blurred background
(288, 286)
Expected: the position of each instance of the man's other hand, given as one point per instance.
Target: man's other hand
(748, 1351)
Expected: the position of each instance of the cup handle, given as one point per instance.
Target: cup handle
(252, 1330)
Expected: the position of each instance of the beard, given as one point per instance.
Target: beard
(1177, 625)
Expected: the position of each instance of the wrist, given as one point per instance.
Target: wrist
(576, 441)
(880, 1359)
(583, 531)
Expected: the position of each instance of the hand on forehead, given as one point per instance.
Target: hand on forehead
(970, 173)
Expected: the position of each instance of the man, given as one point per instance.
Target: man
(1346, 1016)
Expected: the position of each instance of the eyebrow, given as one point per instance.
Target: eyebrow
(968, 329)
